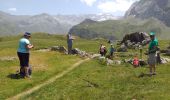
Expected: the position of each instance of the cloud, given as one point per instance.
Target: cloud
(113, 6)
(89, 2)
(12, 9)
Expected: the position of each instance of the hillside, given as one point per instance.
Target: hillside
(145, 9)
(115, 29)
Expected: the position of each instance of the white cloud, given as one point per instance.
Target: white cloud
(113, 6)
(89, 2)
(12, 9)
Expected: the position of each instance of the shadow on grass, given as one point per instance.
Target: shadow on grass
(144, 75)
(14, 76)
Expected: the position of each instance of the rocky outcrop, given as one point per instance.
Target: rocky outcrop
(145, 9)
(135, 40)
(137, 37)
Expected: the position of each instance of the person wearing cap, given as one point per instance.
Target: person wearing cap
(111, 50)
(153, 45)
(23, 53)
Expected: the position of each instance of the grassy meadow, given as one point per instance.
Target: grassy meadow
(90, 81)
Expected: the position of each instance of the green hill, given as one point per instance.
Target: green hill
(117, 28)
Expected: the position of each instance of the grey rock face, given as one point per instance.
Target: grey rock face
(144, 9)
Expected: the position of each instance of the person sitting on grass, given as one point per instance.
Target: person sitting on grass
(23, 54)
(136, 61)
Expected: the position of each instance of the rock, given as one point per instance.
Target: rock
(167, 53)
(142, 62)
(122, 48)
(163, 51)
(117, 62)
(94, 56)
(102, 59)
(76, 51)
(165, 60)
(59, 48)
(109, 62)
(136, 37)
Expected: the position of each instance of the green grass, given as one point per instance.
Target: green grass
(45, 64)
(118, 82)
(114, 83)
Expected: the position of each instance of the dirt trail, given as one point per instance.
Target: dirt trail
(29, 91)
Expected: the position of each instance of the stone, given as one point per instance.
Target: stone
(109, 62)
(61, 49)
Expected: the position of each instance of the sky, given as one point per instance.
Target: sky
(65, 7)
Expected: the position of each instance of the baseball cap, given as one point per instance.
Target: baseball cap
(27, 34)
(152, 33)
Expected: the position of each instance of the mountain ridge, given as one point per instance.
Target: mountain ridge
(53, 24)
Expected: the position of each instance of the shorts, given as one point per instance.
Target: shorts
(24, 59)
(152, 59)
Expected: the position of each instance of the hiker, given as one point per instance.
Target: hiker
(69, 43)
(105, 50)
(112, 50)
(23, 54)
(152, 53)
(102, 50)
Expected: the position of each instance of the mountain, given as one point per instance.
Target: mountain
(145, 9)
(115, 29)
(54, 24)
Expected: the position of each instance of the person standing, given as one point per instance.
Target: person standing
(102, 50)
(69, 43)
(112, 50)
(23, 53)
(153, 45)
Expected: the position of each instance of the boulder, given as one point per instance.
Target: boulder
(163, 51)
(165, 60)
(122, 48)
(136, 37)
(167, 53)
(142, 62)
(59, 48)
(109, 62)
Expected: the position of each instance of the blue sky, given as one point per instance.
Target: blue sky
(54, 7)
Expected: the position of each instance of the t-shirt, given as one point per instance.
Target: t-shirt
(22, 45)
(112, 50)
(136, 61)
(153, 43)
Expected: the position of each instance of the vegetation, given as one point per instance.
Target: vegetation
(118, 28)
(90, 80)
(93, 81)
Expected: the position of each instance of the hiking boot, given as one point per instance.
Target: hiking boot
(27, 77)
(150, 74)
